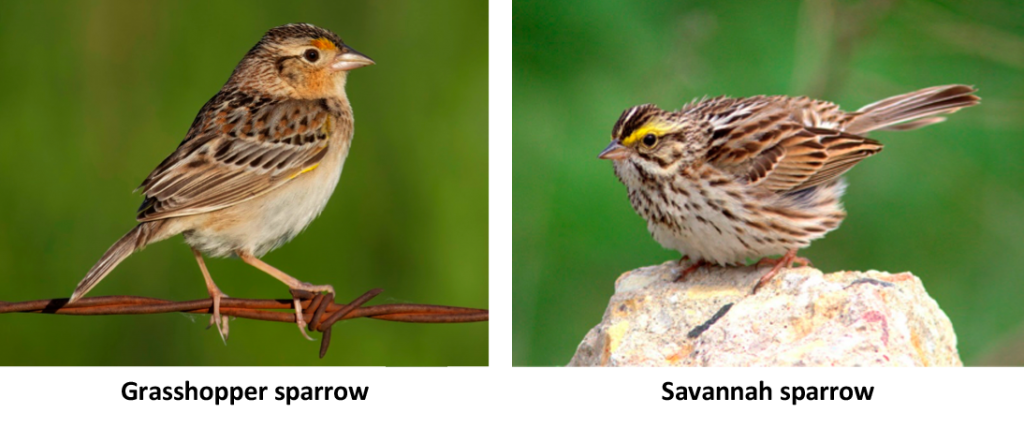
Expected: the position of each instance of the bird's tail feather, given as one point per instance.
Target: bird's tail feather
(134, 240)
(912, 110)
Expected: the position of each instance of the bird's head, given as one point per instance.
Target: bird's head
(652, 137)
(298, 61)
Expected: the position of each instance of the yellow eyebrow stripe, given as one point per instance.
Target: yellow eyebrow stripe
(658, 129)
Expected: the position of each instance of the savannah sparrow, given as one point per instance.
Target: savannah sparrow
(726, 179)
(258, 164)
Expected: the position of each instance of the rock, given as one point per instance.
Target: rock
(800, 318)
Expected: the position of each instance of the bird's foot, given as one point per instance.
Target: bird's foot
(216, 319)
(300, 318)
(786, 261)
(690, 269)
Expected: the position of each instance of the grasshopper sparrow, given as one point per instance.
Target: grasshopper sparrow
(258, 164)
(726, 179)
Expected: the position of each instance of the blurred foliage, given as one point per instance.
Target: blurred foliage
(944, 202)
(96, 94)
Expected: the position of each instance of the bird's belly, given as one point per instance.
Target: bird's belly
(725, 224)
(266, 222)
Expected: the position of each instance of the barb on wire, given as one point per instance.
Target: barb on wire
(319, 310)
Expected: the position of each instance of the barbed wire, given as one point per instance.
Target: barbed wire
(319, 310)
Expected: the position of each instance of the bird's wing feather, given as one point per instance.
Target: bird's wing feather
(236, 150)
(775, 142)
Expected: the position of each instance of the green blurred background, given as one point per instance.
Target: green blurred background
(944, 202)
(96, 94)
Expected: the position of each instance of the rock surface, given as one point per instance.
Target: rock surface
(800, 318)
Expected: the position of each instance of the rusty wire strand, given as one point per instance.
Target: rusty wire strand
(319, 310)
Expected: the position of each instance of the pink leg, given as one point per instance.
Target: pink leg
(786, 261)
(215, 294)
(691, 269)
(291, 282)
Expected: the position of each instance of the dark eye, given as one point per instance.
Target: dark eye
(311, 55)
(650, 139)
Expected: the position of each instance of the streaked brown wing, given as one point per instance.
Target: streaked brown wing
(772, 142)
(236, 150)
(842, 151)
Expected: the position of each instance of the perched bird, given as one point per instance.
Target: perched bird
(726, 179)
(258, 164)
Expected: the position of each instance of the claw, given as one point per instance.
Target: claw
(216, 319)
(300, 320)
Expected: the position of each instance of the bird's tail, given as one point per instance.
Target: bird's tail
(912, 110)
(131, 242)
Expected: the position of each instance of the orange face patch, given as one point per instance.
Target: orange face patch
(324, 44)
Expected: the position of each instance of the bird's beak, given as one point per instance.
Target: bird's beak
(350, 60)
(614, 151)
